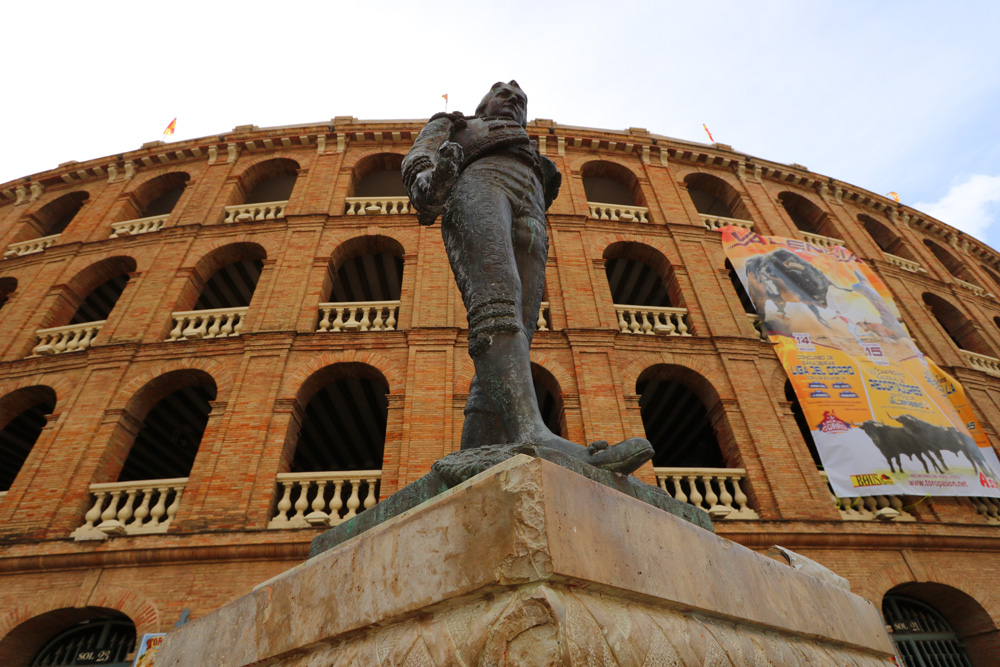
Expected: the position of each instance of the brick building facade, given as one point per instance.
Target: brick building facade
(189, 326)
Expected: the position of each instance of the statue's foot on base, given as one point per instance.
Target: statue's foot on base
(625, 457)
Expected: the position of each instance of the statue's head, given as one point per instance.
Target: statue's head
(505, 99)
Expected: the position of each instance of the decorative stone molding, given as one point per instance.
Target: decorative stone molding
(618, 213)
(652, 320)
(306, 493)
(358, 316)
(131, 508)
(709, 489)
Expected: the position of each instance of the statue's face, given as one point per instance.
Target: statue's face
(507, 101)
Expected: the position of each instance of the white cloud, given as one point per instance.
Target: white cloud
(972, 205)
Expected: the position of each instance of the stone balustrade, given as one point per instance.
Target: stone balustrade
(758, 326)
(323, 498)
(823, 241)
(544, 317)
(905, 264)
(714, 489)
(138, 226)
(982, 362)
(870, 508)
(988, 507)
(652, 320)
(618, 213)
(29, 247)
(270, 210)
(142, 507)
(358, 316)
(716, 222)
(71, 338)
(378, 206)
(209, 323)
(975, 289)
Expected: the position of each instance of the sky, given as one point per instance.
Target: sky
(888, 96)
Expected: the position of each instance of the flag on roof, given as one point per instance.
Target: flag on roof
(708, 133)
(170, 128)
(445, 96)
(895, 196)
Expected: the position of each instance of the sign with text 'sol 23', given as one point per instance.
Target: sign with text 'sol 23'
(885, 419)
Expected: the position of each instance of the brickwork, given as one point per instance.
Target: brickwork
(218, 545)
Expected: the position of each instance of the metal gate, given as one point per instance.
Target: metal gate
(921, 635)
(105, 642)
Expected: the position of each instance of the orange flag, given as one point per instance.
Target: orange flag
(170, 128)
(895, 196)
(708, 133)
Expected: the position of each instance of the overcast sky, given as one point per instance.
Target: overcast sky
(899, 96)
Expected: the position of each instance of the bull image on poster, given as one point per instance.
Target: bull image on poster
(885, 419)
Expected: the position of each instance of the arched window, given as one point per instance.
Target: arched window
(52, 218)
(676, 420)
(806, 215)
(954, 266)
(550, 402)
(960, 329)
(715, 197)
(639, 275)
(363, 286)
(231, 275)
(610, 183)
(24, 413)
(69, 637)
(178, 405)
(270, 181)
(935, 624)
(884, 238)
(800, 420)
(992, 274)
(157, 196)
(378, 175)
(88, 300)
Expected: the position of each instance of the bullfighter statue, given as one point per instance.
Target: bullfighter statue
(488, 179)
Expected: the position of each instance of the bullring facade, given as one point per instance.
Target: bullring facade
(214, 348)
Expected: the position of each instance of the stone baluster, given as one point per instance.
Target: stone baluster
(285, 504)
(159, 509)
(390, 324)
(125, 513)
(352, 323)
(738, 495)
(175, 333)
(354, 501)
(196, 328)
(318, 517)
(95, 512)
(725, 498)
(336, 503)
(710, 496)
(622, 324)
(371, 497)
(679, 490)
(143, 510)
(302, 502)
(174, 505)
(213, 330)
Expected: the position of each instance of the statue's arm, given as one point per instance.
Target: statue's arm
(430, 169)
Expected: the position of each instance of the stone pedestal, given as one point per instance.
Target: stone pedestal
(532, 564)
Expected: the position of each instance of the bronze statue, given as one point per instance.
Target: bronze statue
(493, 187)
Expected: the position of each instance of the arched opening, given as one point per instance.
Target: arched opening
(741, 292)
(935, 624)
(800, 421)
(611, 183)
(231, 274)
(953, 265)
(345, 420)
(157, 196)
(53, 218)
(177, 406)
(7, 286)
(714, 197)
(550, 402)
(959, 328)
(676, 420)
(640, 275)
(363, 286)
(806, 215)
(70, 637)
(884, 238)
(267, 181)
(378, 175)
(24, 413)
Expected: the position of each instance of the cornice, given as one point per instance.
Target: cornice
(837, 539)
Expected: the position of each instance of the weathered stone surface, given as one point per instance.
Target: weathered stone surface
(462, 465)
(532, 564)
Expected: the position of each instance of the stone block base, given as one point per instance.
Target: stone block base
(532, 564)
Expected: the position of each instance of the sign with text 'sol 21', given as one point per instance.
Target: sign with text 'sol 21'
(145, 654)
(885, 419)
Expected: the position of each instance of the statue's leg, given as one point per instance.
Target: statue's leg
(482, 425)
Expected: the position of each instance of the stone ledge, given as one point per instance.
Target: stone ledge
(529, 559)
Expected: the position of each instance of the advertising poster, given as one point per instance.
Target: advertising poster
(145, 654)
(885, 419)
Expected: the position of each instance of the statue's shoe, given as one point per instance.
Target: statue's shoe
(626, 457)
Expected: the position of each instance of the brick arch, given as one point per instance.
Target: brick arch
(332, 245)
(268, 247)
(254, 171)
(220, 375)
(875, 586)
(302, 161)
(61, 385)
(394, 378)
(719, 184)
(369, 162)
(712, 375)
(51, 218)
(143, 613)
(567, 383)
(577, 164)
(615, 169)
(144, 190)
(599, 244)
